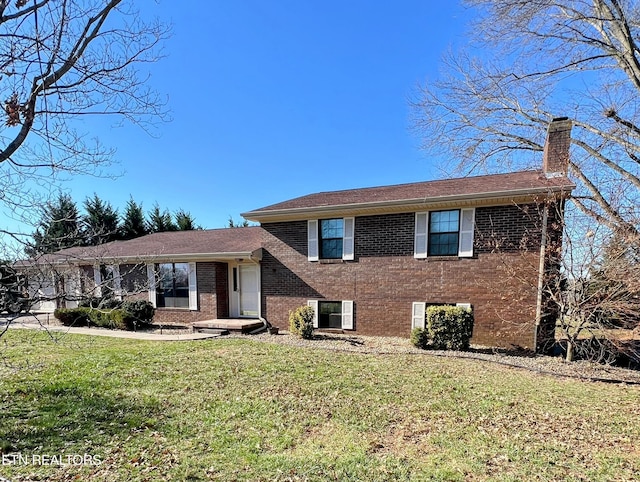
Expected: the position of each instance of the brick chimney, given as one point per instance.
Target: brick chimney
(555, 157)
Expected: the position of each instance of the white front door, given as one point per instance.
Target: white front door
(244, 290)
(249, 290)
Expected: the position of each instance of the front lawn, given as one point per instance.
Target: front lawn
(232, 409)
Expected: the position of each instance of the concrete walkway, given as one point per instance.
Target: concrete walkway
(39, 322)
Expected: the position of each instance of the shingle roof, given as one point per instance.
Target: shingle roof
(496, 185)
(211, 243)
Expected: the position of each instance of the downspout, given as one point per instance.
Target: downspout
(543, 249)
(260, 329)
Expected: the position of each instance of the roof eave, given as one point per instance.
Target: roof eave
(405, 205)
(255, 255)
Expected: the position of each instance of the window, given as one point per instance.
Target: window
(108, 285)
(330, 239)
(332, 314)
(419, 312)
(107, 281)
(172, 290)
(173, 285)
(331, 234)
(444, 233)
(134, 278)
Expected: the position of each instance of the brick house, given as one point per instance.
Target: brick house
(368, 260)
(189, 276)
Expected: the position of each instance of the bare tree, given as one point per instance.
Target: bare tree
(537, 59)
(61, 60)
(588, 286)
(597, 299)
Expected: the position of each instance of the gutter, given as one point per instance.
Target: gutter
(422, 202)
(255, 256)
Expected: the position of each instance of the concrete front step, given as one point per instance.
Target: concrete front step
(241, 325)
(212, 331)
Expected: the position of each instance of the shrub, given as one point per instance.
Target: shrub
(301, 322)
(117, 319)
(73, 316)
(109, 303)
(120, 320)
(108, 313)
(420, 338)
(99, 318)
(449, 327)
(139, 311)
(91, 302)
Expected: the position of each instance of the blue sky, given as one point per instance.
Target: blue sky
(273, 100)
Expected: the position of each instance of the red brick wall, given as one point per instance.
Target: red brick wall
(221, 289)
(213, 297)
(384, 279)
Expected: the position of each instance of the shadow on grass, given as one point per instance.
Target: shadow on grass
(353, 341)
(60, 416)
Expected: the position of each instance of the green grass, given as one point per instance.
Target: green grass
(241, 410)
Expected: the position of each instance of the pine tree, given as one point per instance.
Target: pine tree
(240, 224)
(134, 224)
(160, 221)
(100, 223)
(185, 221)
(59, 227)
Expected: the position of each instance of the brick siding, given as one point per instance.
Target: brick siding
(500, 281)
(213, 296)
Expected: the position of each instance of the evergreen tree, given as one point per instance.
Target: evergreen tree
(233, 224)
(185, 221)
(100, 223)
(134, 224)
(160, 221)
(59, 227)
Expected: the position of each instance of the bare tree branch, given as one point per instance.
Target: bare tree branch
(60, 60)
(546, 58)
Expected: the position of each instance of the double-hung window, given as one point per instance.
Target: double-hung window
(444, 233)
(444, 228)
(331, 233)
(330, 238)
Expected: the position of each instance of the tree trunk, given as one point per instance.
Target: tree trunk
(570, 351)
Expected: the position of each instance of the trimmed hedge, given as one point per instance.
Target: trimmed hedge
(128, 315)
(141, 311)
(448, 328)
(301, 322)
(73, 316)
(111, 319)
